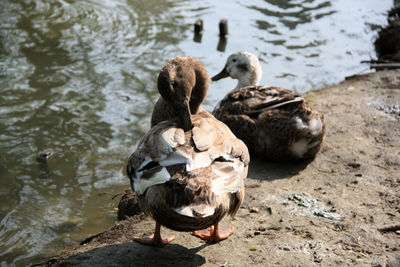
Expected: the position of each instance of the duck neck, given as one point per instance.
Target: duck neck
(200, 89)
(162, 111)
(243, 83)
(246, 81)
(251, 77)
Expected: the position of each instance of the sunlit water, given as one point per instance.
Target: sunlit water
(78, 78)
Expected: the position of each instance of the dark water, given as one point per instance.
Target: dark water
(78, 79)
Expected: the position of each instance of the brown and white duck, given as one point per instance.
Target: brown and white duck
(273, 122)
(189, 169)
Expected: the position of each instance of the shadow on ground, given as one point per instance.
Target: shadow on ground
(261, 170)
(134, 254)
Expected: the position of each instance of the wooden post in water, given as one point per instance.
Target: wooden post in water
(222, 44)
(198, 26)
(198, 30)
(223, 28)
(223, 32)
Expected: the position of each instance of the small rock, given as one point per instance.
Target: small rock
(43, 156)
(254, 210)
(318, 260)
(316, 257)
(269, 210)
(354, 165)
(128, 205)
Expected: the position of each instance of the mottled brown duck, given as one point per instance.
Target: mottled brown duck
(274, 123)
(189, 169)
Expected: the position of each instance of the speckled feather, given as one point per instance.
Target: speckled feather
(227, 159)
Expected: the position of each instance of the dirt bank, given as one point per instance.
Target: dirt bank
(326, 213)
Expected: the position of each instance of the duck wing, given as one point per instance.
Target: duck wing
(198, 173)
(241, 109)
(253, 100)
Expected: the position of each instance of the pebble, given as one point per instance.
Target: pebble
(269, 210)
(254, 210)
(354, 165)
(43, 156)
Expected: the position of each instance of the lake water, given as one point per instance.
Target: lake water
(78, 79)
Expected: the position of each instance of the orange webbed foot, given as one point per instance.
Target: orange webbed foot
(154, 241)
(213, 234)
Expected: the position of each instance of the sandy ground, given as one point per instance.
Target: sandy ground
(328, 212)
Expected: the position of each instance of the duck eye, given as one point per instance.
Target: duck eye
(234, 60)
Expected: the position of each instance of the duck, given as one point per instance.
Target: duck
(273, 122)
(188, 170)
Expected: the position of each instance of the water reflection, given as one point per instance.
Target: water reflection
(78, 79)
(75, 57)
(293, 13)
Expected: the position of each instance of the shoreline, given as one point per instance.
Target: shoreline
(342, 208)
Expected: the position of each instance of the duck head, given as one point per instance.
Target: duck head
(244, 67)
(183, 84)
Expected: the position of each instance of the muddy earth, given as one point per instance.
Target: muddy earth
(341, 209)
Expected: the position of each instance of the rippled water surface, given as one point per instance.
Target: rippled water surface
(78, 79)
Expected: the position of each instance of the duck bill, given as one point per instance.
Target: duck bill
(223, 74)
(184, 115)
